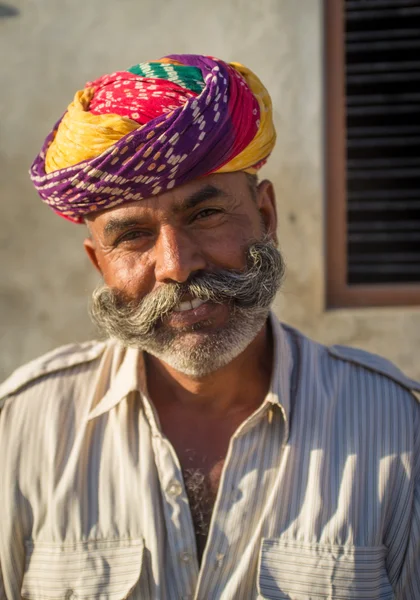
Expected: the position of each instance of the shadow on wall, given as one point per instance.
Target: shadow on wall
(8, 11)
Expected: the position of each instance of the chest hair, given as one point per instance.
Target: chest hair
(201, 489)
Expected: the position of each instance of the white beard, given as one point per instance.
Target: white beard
(199, 353)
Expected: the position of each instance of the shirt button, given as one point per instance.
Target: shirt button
(219, 558)
(185, 557)
(174, 489)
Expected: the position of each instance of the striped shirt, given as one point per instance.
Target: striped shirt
(319, 496)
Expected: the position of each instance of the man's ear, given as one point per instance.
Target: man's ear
(266, 202)
(90, 249)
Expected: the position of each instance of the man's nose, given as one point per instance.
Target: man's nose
(177, 255)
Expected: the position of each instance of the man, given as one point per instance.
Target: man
(204, 450)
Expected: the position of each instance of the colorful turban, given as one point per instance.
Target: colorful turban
(137, 133)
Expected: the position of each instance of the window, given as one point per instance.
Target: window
(373, 152)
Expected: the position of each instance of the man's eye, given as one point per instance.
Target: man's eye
(207, 212)
(130, 236)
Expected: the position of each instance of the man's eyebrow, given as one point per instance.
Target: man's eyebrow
(206, 193)
(115, 225)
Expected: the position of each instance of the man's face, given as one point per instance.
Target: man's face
(146, 249)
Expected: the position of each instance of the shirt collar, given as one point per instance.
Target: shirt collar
(127, 374)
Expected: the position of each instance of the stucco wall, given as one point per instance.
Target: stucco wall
(51, 48)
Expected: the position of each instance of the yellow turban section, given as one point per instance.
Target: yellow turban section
(83, 135)
(263, 142)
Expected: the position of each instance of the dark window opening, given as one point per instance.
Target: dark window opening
(382, 54)
(373, 155)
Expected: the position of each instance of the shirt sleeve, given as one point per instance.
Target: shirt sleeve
(12, 551)
(408, 583)
(2, 590)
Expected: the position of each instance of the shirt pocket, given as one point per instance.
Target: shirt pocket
(105, 570)
(290, 570)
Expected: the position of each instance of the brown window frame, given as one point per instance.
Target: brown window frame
(338, 293)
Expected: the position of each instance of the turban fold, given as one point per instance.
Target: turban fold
(138, 133)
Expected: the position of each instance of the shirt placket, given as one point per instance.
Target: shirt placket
(218, 549)
(181, 578)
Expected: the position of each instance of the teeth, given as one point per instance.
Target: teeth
(183, 306)
(197, 302)
(187, 305)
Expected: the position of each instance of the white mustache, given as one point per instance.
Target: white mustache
(254, 287)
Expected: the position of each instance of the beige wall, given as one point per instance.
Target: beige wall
(52, 48)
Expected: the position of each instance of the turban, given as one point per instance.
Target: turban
(138, 133)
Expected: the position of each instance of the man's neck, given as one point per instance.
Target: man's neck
(240, 385)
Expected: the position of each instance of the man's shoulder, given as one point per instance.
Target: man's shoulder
(359, 362)
(375, 363)
(60, 361)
